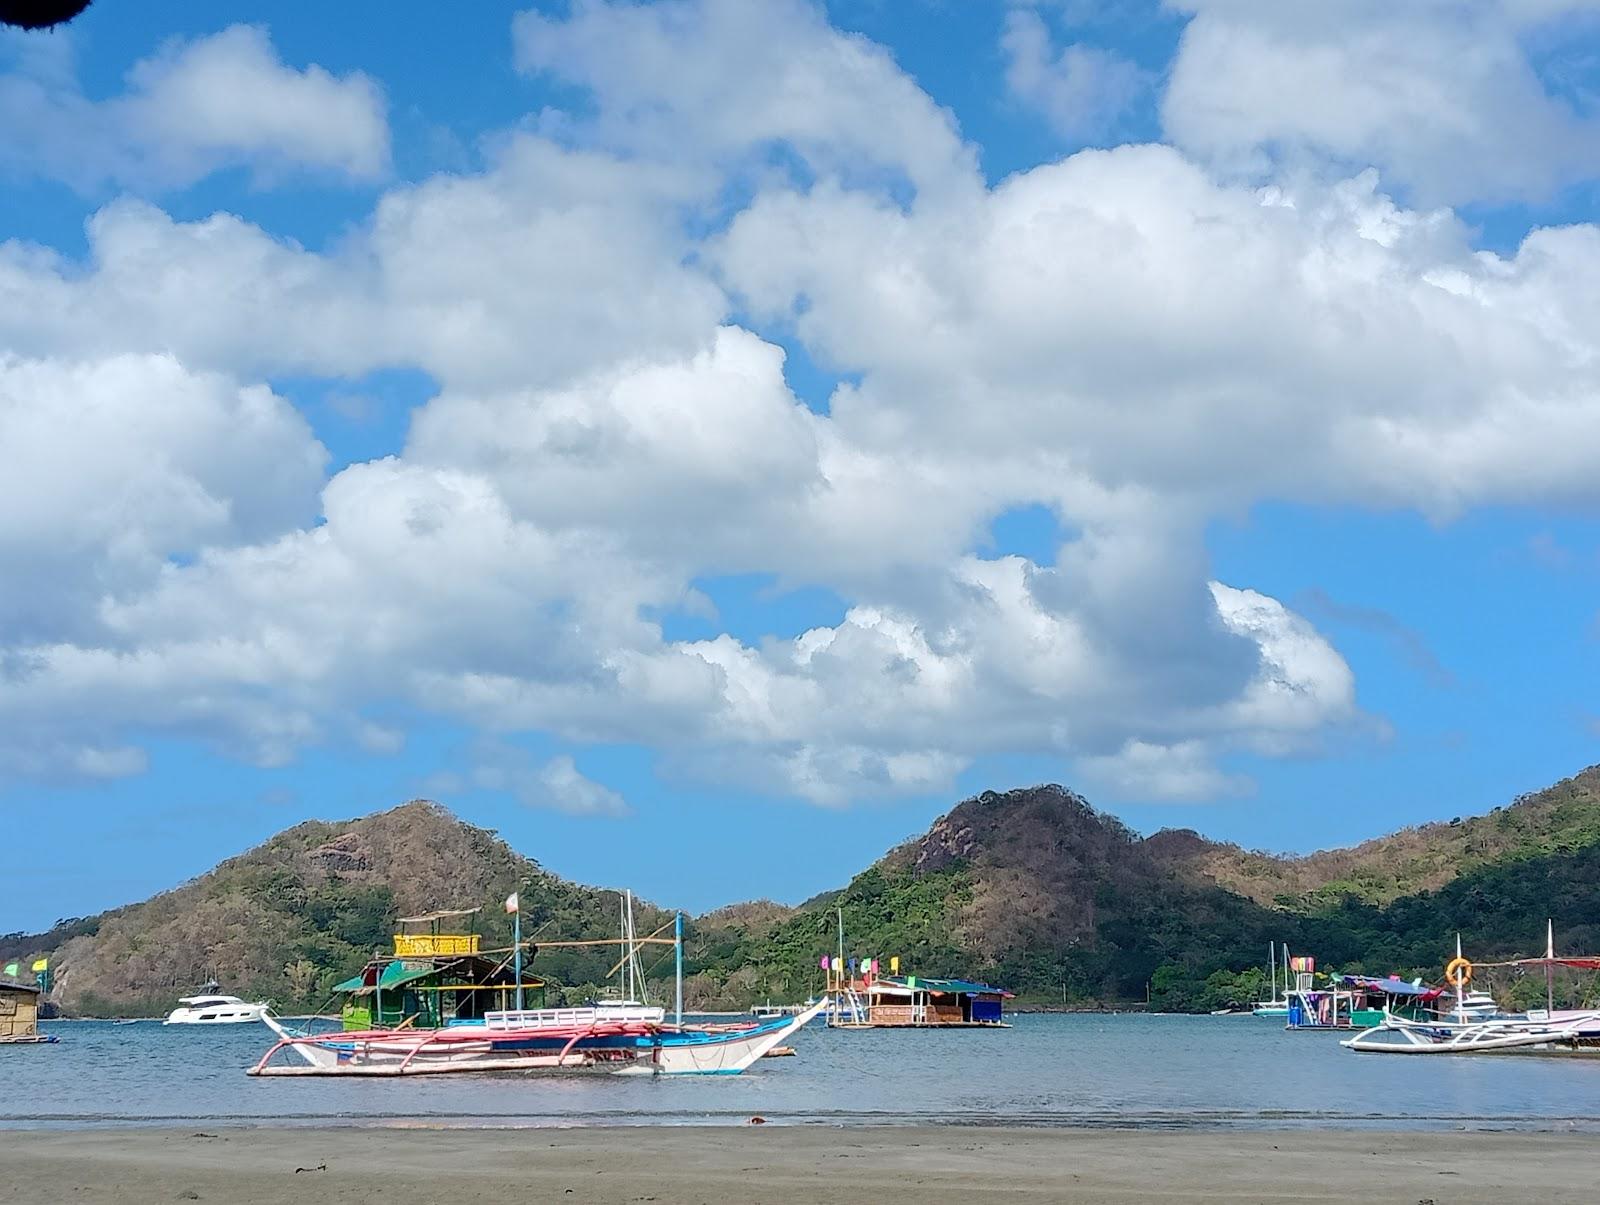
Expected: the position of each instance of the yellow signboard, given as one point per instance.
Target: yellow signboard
(433, 945)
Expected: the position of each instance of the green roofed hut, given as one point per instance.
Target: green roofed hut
(434, 978)
(918, 1002)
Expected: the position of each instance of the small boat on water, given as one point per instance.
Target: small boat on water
(768, 1010)
(209, 1007)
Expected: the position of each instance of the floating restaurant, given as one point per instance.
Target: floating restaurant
(865, 998)
(914, 1001)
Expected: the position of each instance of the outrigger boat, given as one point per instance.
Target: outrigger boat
(1547, 1031)
(560, 1039)
(624, 1037)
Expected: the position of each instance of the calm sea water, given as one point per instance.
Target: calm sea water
(1046, 1070)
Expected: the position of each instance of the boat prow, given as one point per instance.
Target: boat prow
(712, 1052)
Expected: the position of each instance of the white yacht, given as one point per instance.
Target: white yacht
(209, 1007)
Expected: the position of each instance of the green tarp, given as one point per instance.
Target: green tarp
(395, 974)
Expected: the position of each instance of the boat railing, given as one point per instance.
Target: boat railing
(563, 1018)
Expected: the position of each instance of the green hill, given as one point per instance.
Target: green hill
(1030, 888)
(1036, 890)
(1563, 818)
(295, 915)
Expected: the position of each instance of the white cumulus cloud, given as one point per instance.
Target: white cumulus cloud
(193, 108)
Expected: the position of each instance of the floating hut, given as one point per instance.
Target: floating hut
(19, 1013)
(1358, 1002)
(916, 1001)
(434, 978)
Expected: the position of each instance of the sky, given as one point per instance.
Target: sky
(704, 440)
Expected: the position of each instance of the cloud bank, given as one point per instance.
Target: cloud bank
(1138, 340)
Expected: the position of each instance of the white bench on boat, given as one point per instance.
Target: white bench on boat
(563, 1018)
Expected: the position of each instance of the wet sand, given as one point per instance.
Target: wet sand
(712, 1166)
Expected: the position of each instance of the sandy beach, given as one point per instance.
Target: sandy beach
(782, 1164)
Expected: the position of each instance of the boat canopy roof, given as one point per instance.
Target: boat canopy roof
(394, 974)
(953, 986)
(1392, 986)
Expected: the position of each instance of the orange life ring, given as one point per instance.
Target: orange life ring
(1458, 971)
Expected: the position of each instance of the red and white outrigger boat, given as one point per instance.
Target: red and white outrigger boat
(637, 1041)
(621, 1038)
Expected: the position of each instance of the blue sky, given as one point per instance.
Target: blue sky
(703, 441)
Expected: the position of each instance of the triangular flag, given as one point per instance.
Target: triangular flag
(512, 903)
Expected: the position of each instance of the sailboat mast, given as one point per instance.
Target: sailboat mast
(633, 982)
(1461, 993)
(622, 941)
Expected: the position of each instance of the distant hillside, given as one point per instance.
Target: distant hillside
(293, 916)
(1031, 888)
(1036, 890)
(1563, 818)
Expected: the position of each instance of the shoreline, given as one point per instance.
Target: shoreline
(779, 1164)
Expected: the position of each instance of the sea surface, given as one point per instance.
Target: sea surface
(1047, 1070)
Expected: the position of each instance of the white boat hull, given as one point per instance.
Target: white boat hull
(1566, 1034)
(239, 1014)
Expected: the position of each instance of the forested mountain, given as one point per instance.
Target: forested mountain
(1031, 888)
(307, 908)
(1035, 889)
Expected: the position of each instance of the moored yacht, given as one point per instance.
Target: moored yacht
(209, 1007)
